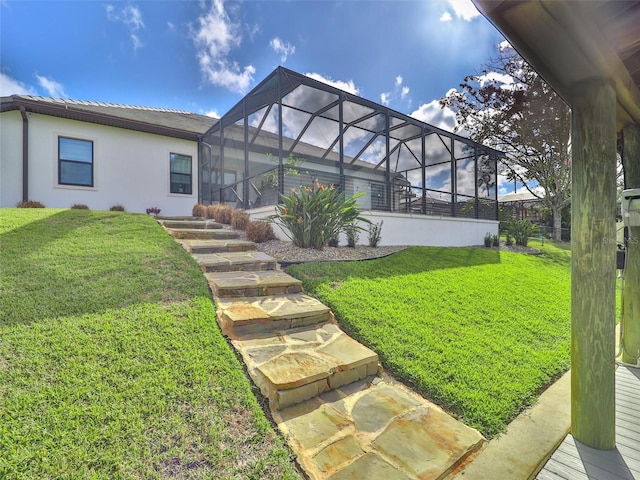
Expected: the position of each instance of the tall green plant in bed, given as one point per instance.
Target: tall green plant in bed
(311, 217)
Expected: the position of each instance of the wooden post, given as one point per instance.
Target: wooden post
(593, 272)
(631, 294)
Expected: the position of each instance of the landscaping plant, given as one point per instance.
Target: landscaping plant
(199, 210)
(375, 233)
(259, 232)
(239, 220)
(311, 216)
(521, 230)
(79, 206)
(352, 235)
(488, 240)
(117, 208)
(29, 204)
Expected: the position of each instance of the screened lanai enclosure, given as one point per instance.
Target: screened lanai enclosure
(292, 131)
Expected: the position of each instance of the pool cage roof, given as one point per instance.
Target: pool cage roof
(292, 114)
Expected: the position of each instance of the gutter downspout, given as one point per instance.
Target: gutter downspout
(25, 154)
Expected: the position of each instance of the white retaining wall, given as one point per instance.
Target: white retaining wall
(415, 230)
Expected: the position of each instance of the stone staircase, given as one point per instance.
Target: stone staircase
(341, 417)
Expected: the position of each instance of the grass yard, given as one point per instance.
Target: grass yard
(478, 331)
(111, 363)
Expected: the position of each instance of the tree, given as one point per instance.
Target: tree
(510, 108)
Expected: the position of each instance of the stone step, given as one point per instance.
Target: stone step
(217, 246)
(201, 234)
(253, 284)
(191, 224)
(294, 365)
(235, 261)
(258, 315)
(163, 217)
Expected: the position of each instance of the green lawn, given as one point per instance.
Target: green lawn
(480, 332)
(111, 363)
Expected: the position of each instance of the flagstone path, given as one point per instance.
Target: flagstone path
(342, 417)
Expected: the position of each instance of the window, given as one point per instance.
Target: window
(180, 174)
(75, 162)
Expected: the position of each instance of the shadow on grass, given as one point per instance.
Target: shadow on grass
(76, 262)
(413, 260)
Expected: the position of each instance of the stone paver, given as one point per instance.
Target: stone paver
(235, 261)
(191, 224)
(201, 233)
(254, 315)
(217, 245)
(253, 284)
(412, 439)
(292, 365)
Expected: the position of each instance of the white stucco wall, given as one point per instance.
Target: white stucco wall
(415, 230)
(10, 158)
(130, 168)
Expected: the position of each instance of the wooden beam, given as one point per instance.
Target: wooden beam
(593, 264)
(631, 294)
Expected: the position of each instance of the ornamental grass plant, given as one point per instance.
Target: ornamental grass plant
(312, 216)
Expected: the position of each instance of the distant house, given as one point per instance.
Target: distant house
(61, 152)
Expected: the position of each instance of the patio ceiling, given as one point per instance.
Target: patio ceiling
(568, 42)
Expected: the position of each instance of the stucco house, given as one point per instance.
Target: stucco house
(429, 186)
(61, 152)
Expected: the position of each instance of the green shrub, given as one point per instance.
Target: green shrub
(521, 230)
(199, 210)
(153, 211)
(259, 232)
(352, 235)
(488, 240)
(495, 240)
(334, 242)
(375, 233)
(29, 204)
(117, 208)
(312, 216)
(239, 220)
(509, 240)
(79, 206)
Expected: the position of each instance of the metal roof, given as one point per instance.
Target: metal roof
(160, 121)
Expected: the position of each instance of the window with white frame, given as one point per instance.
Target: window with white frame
(75, 162)
(180, 173)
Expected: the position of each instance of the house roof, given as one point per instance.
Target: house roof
(524, 196)
(159, 121)
(568, 42)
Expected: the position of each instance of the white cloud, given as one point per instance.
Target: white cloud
(464, 9)
(212, 113)
(284, 49)
(131, 17)
(446, 17)
(214, 36)
(433, 114)
(11, 86)
(503, 45)
(491, 77)
(53, 88)
(399, 92)
(171, 26)
(348, 86)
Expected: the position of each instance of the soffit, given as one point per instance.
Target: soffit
(569, 42)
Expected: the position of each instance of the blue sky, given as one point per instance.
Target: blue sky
(203, 56)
